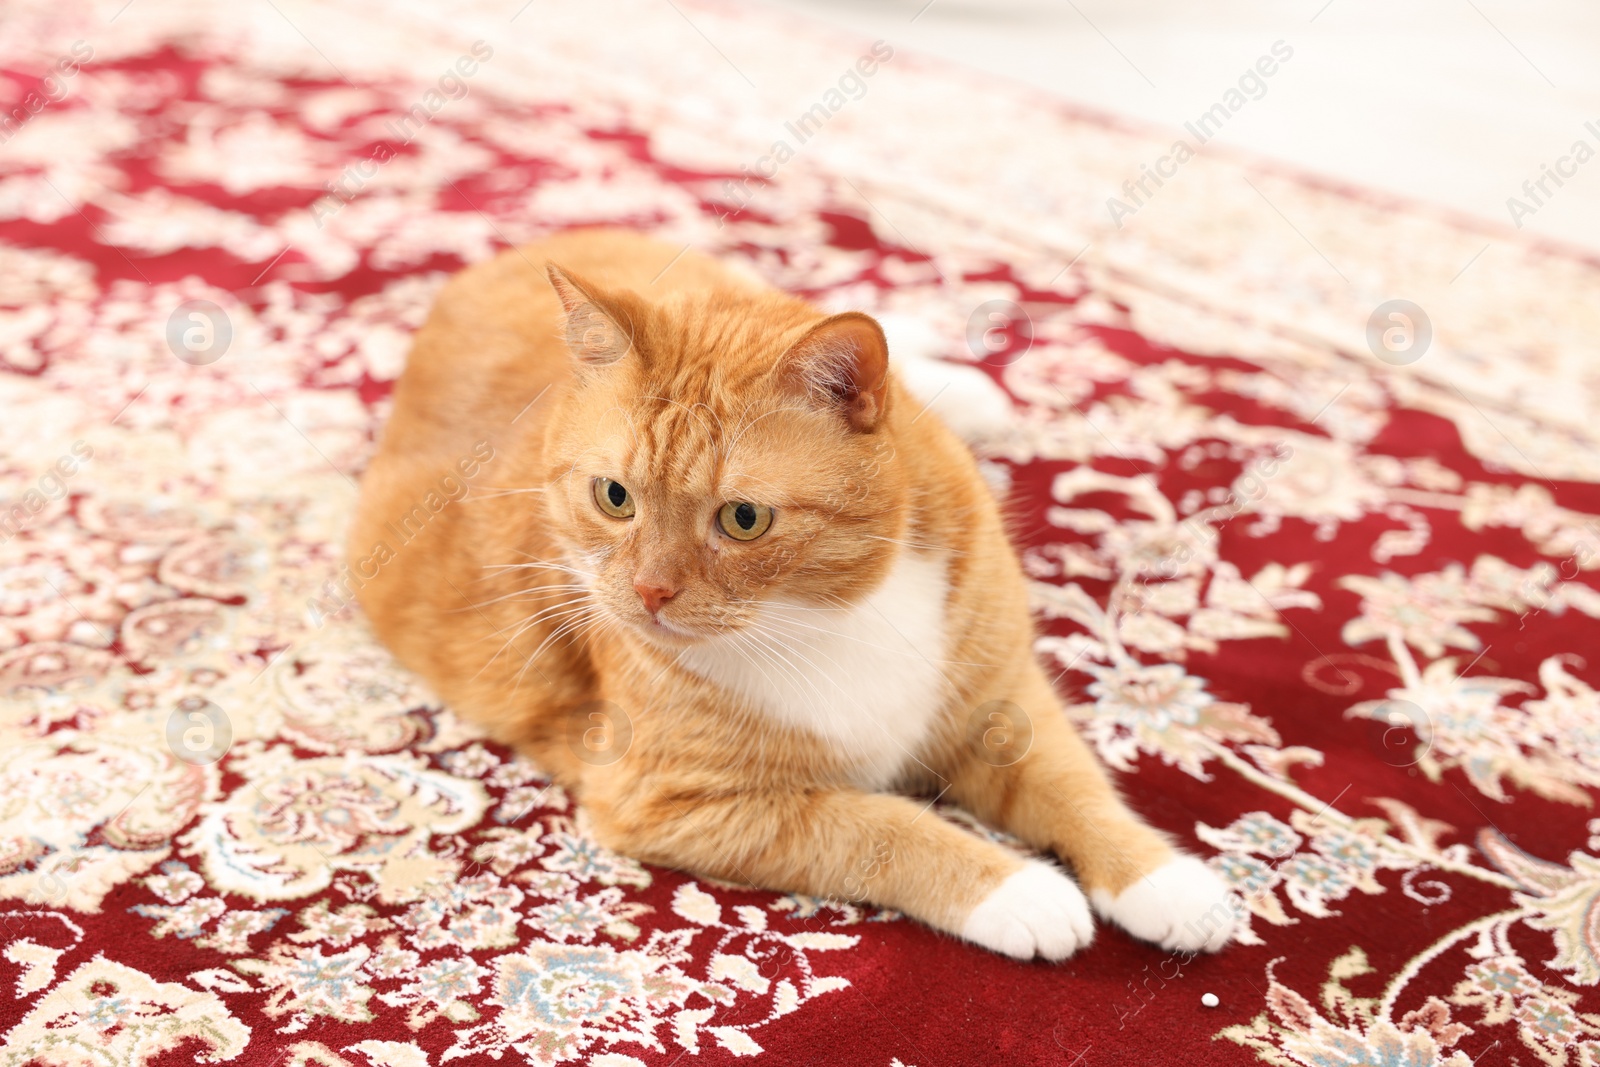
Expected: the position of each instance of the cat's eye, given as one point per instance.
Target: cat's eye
(611, 498)
(744, 521)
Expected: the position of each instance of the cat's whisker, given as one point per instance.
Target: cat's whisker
(555, 611)
(493, 492)
(778, 653)
(779, 620)
(499, 651)
(565, 627)
(544, 615)
(756, 665)
(834, 601)
(914, 544)
(793, 648)
(507, 643)
(789, 606)
(560, 563)
(542, 565)
(830, 676)
(580, 626)
(745, 644)
(536, 567)
(532, 564)
(532, 592)
(595, 625)
(533, 657)
(787, 668)
(909, 650)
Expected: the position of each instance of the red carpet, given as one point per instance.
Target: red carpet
(1330, 616)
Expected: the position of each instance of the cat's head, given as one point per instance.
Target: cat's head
(717, 452)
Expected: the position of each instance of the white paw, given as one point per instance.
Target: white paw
(1038, 911)
(1182, 905)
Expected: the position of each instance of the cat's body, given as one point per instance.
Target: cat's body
(748, 701)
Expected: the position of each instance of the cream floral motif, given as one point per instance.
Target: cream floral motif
(1563, 900)
(295, 823)
(1315, 869)
(56, 791)
(473, 913)
(1464, 720)
(108, 1012)
(1161, 709)
(331, 702)
(1352, 1033)
(1427, 618)
(1546, 1021)
(555, 999)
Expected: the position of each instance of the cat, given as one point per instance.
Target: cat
(725, 581)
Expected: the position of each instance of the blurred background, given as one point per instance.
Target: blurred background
(1455, 102)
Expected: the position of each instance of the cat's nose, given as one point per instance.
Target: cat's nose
(653, 593)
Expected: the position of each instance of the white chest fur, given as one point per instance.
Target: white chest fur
(867, 678)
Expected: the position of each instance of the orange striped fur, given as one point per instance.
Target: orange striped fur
(761, 726)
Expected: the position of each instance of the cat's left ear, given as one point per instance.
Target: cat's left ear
(844, 362)
(600, 325)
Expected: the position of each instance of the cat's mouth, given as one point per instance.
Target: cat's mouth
(657, 623)
(666, 631)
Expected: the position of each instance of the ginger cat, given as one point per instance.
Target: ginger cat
(726, 581)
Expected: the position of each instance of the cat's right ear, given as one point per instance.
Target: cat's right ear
(843, 361)
(599, 325)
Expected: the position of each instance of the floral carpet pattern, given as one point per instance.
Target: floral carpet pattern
(1322, 595)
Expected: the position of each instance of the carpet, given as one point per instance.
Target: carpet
(1305, 478)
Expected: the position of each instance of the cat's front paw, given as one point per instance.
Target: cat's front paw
(1037, 911)
(1180, 905)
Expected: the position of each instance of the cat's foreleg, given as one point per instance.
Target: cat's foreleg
(1020, 766)
(890, 851)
